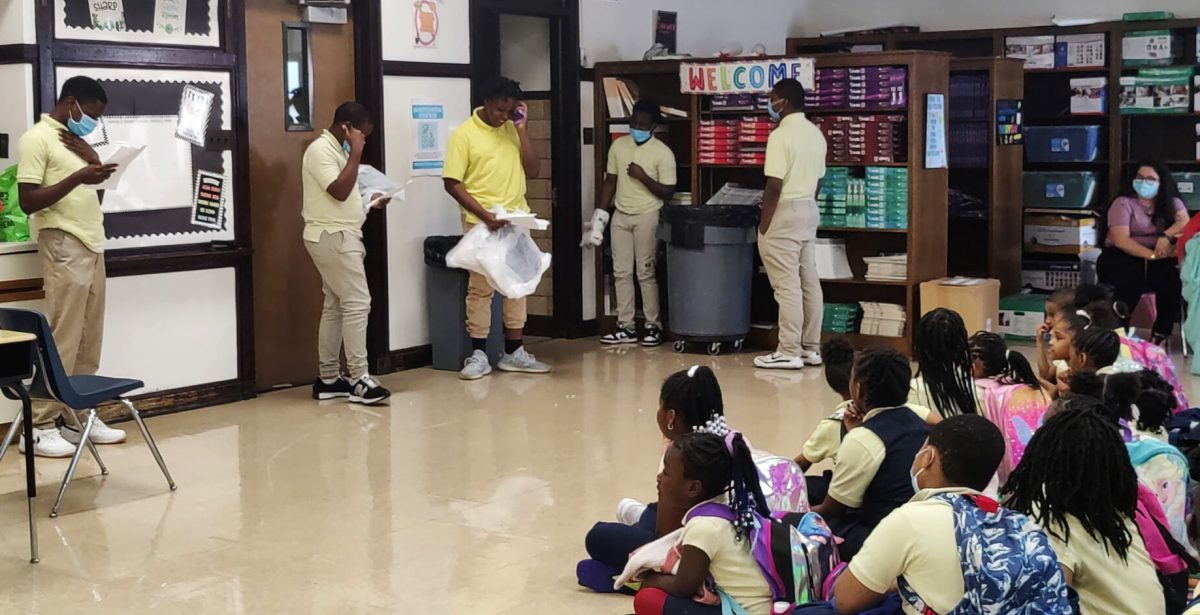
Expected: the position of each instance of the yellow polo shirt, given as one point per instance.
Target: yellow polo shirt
(633, 197)
(323, 163)
(858, 459)
(826, 439)
(731, 563)
(1104, 582)
(43, 160)
(915, 541)
(796, 155)
(487, 160)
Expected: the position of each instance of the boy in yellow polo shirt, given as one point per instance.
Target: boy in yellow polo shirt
(641, 174)
(788, 227)
(487, 161)
(333, 218)
(55, 171)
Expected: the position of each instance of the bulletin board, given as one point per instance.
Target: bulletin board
(162, 22)
(177, 192)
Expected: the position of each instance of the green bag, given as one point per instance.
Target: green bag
(14, 224)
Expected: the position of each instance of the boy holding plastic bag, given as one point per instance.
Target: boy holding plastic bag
(488, 158)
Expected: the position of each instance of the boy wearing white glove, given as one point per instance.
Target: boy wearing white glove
(641, 175)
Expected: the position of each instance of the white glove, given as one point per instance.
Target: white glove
(593, 232)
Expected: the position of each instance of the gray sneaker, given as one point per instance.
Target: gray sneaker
(522, 361)
(476, 366)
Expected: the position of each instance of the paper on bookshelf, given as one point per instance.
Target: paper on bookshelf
(832, 261)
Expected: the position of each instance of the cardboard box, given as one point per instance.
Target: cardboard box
(976, 300)
(1059, 234)
(1037, 51)
(1089, 96)
(1149, 48)
(1080, 50)
(1020, 315)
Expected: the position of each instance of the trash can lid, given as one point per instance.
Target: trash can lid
(712, 215)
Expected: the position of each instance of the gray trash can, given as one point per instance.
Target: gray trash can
(710, 268)
(446, 293)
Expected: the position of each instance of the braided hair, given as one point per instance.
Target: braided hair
(1101, 346)
(695, 396)
(1006, 366)
(944, 362)
(838, 354)
(1076, 464)
(721, 465)
(1153, 396)
(883, 376)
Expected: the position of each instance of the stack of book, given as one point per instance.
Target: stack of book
(892, 268)
(887, 198)
(882, 319)
(717, 142)
(752, 140)
(841, 317)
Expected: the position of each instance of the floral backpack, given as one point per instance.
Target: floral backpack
(1155, 359)
(1008, 565)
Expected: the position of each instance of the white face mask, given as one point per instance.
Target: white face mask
(915, 486)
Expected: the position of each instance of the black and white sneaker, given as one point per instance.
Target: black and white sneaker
(620, 336)
(340, 388)
(368, 391)
(654, 337)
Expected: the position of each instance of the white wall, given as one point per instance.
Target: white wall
(623, 29)
(454, 40)
(16, 82)
(587, 195)
(428, 210)
(823, 15)
(16, 22)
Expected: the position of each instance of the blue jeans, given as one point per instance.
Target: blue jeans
(611, 543)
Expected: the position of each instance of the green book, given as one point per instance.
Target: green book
(1148, 16)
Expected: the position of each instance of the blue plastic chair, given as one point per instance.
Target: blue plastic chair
(50, 381)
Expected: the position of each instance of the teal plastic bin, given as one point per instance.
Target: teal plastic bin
(1069, 190)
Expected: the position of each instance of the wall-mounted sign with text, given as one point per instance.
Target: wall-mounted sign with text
(748, 76)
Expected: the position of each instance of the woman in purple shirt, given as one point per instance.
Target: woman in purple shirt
(1139, 256)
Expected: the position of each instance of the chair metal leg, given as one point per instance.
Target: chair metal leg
(87, 433)
(162, 465)
(13, 430)
(91, 446)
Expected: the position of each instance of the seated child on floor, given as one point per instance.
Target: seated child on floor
(689, 400)
(926, 546)
(870, 477)
(698, 469)
(1092, 350)
(1013, 397)
(1076, 481)
(1059, 304)
(942, 352)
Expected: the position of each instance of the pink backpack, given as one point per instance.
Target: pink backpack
(1017, 424)
(1154, 358)
(1152, 524)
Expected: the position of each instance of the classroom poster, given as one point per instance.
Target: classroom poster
(208, 202)
(665, 29)
(429, 139)
(425, 24)
(170, 16)
(743, 77)
(108, 15)
(195, 105)
(935, 131)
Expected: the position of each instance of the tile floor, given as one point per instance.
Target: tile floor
(458, 498)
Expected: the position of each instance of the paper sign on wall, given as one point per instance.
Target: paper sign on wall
(195, 105)
(758, 76)
(170, 16)
(935, 131)
(108, 14)
(208, 204)
(425, 24)
(429, 139)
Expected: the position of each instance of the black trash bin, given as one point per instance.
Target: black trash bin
(710, 268)
(446, 302)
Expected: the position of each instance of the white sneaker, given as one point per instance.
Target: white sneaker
(48, 443)
(476, 366)
(100, 434)
(777, 360)
(811, 357)
(629, 511)
(523, 362)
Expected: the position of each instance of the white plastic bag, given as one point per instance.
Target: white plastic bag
(508, 258)
(372, 182)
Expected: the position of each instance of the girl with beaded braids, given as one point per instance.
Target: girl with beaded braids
(1077, 482)
(943, 355)
(700, 468)
(690, 401)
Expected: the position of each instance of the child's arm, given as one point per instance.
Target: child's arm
(693, 567)
(802, 462)
(851, 596)
(1045, 368)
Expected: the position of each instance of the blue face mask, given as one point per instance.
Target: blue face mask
(84, 127)
(640, 136)
(775, 115)
(1145, 188)
(346, 147)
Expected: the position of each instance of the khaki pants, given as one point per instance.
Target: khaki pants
(339, 259)
(789, 256)
(74, 279)
(479, 305)
(635, 248)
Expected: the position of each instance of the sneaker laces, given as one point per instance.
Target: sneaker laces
(370, 381)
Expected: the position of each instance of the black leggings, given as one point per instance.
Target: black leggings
(1131, 277)
(611, 543)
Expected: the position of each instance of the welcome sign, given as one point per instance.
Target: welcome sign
(750, 77)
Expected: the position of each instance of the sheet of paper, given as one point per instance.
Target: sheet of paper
(397, 195)
(524, 220)
(124, 155)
